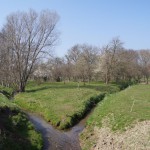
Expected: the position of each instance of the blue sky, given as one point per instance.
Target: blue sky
(94, 22)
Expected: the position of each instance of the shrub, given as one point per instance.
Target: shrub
(125, 84)
(19, 120)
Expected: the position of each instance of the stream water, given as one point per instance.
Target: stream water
(55, 139)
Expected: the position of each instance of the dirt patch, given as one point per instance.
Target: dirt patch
(135, 138)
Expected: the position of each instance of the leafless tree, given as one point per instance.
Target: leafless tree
(29, 36)
(68, 68)
(73, 55)
(128, 68)
(6, 63)
(57, 66)
(82, 61)
(108, 58)
(145, 63)
(89, 60)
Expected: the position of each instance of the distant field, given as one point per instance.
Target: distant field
(57, 102)
(121, 110)
(16, 132)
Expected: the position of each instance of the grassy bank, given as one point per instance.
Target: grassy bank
(62, 104)
(16, 132)
(121, 110)
(8, 92)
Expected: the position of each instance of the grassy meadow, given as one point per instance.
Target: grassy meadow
(59, 103)
(121, 110)
(16, 132)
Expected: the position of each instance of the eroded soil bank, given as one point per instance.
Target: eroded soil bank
(55, 139)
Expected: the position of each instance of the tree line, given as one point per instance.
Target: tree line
(28, 37)
(110, 63)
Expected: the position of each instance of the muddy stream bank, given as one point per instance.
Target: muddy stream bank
(55, 139)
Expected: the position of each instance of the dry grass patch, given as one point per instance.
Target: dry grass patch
(136, 138)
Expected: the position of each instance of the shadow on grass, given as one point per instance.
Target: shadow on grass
(38, 89)
(17, 136)
(5, 93)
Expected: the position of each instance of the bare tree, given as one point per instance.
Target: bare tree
(57, 68)
(89, 60)
(128, 68)
(73, 55)
(82, 61)
(68, 68)
(30, 35)
(109, 58)
(145, 63)
(6, 63)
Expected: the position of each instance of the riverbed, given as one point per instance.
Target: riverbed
(55, 139)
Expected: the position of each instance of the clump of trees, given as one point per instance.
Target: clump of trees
(78, 64)
(27, 37)
(24, 40)
(119, 64)
(112, 62)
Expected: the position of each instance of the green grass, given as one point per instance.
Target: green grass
(6, 91)
(16, 132)
(5, 102)
(122, 110)
(57, 102)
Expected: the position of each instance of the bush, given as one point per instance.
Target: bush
(125, 84)
(19, 120)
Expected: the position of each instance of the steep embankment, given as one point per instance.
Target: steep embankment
(118, 121)
(16, 132)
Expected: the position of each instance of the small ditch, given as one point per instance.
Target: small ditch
(55, 139)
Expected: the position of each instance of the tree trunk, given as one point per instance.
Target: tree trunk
(147, 80)
(106, 79)
(22, 86)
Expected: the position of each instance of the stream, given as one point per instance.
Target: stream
(55, 139)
